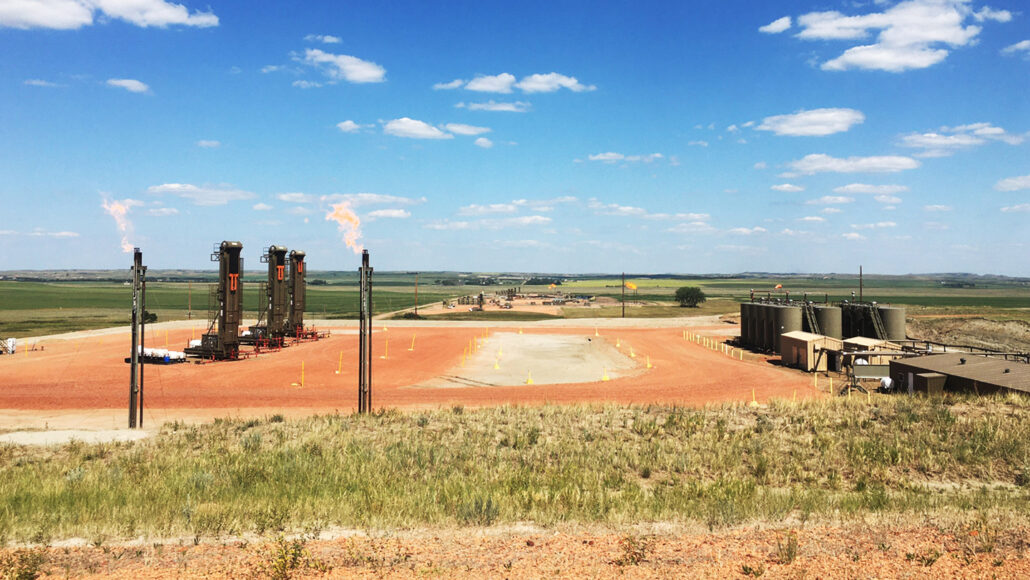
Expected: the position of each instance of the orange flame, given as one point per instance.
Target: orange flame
(778, 286)
(119, 211)
(348, 223)
(631, 285)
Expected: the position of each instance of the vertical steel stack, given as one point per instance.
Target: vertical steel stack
(298, 290)
(277, 291)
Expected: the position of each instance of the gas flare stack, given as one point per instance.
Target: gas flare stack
(225, 303)
(365, 336)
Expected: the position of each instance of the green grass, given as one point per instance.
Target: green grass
(721, 466)
(36, 308)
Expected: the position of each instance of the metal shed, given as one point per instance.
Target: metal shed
(963, 372)
(807, 351)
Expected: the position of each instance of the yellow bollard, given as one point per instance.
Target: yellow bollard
(604, 374)
(595, 332)
(497, 364)
(631, 353)
(529, 377)
(386, 351)
(339, 365)
(618, 343)
(684, 335)
(500, 352)
(831, 384)
(648, 361)
(815, 381)
(741, 355)
(795, 395)
(412, 347)
(754, 401)
(520, 330)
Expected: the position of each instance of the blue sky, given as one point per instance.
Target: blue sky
(692, 137)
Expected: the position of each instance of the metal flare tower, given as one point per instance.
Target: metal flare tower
(297, 288)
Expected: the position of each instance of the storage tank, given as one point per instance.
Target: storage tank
(745, 318)
(752, 323)
(829, 320)
(768, 324)
(788, 319)
(893, 319)
(758, 325)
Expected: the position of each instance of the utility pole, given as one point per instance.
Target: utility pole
(365, 336)
(624, 295)
(138, 309)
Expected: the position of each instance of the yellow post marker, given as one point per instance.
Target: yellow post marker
(339, 365)
(166, 339)
(500, 353)
(529, 377)
(412, 347)
(595, 332)
(684, 335)
(648, 361)
(741, 355)
(520, 330)
(631, 353)
(754, 401)
(604, 374)
(386, 350)
(831, 384)
(497, 364)
(618, 343)
(795, 395)
(815, 381)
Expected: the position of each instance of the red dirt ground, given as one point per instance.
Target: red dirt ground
(89, 373)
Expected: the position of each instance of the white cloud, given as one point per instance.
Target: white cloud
(760, 165)
(501, 83)
(360, 199)
(209, 143)
(813, 218)
(261, 207)
(694, 217)
(615, 209)
(948, 140)
(344, 67)
(455, 84)
(831, 210)
(491, 223)
(302, 84)
(890, 199)
(516, 107)
(295, 197)
(937, 207)
(202, 194)
(747, 231)
(477, 209)
(1021, 46)
(131, 85)
(46, 234)
(852, 236)
(460, 129)
(484, 143)
(874, 189)
(611, 157)
(787, 187)
(40, 83)
(697, 227)
(877, 225)
(821, 163)
(323, 38)
(830, 200)
(813, 123)
(390, 213)
(74, 14)
(1013, 183)
(270, 68)
(988, 13)
(911, 35)
(698, 143)
(1022, 207)
(414, 129)
(162, 211)
(349, 126)
(550, 82)
(776, 26)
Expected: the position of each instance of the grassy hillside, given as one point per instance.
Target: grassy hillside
(841, 459)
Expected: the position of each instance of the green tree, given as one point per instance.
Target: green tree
(691, 296)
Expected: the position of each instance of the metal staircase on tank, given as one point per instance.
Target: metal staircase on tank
(813, 324)
(881, 332)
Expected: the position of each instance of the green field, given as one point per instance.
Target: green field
(102, 299)
(910, 459)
